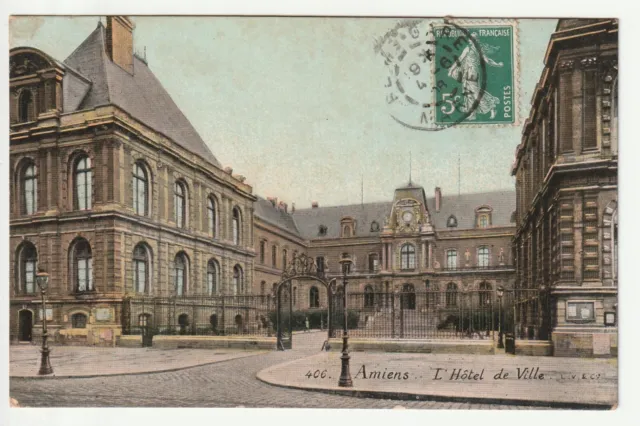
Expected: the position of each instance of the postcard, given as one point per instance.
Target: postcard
(317, 212)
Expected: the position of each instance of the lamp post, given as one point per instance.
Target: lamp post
(345, 374)
(42, 279)
(500, 293)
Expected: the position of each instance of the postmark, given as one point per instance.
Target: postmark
(447, 72)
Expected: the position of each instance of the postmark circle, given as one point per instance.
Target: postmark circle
(423, 58)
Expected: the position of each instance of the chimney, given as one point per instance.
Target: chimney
(120, 41)
(314, 204)
(438, 198)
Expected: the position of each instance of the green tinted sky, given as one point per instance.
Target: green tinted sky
(297, 105)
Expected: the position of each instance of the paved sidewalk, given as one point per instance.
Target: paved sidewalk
(548, 381)
(84, 361)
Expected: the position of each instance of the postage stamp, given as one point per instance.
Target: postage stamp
(268, 212)
(446, 72)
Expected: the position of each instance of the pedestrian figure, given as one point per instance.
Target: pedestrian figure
(306, 324)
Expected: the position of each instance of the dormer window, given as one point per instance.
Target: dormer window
(375, 226)
(347, 227)
(322, 230)
(483, 217)
(452, 222)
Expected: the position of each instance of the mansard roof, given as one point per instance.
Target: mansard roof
(269, 213)
(139, 94)
(463, 207)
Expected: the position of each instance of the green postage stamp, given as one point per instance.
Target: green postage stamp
(449, 72)
(479, 86)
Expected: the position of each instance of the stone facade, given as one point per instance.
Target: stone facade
(82, 219)
(565, 246)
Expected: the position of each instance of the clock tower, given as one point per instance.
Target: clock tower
(408, 238)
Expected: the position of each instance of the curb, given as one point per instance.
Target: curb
(402, 396)
(405, 396)
(137, 373)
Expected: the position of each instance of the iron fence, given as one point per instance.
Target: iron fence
(198, 315)
(528, 314)
(419, 315)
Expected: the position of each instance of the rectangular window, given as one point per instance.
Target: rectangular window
(320, 263)
(452, 259)
(30, 270)
(566, 112)
(82, 274)
(589, 140)
(274, 255)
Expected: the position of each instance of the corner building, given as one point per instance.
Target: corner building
(113, 192)
(565, 245)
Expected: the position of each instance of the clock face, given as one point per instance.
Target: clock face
(407, 216)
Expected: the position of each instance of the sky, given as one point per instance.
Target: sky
(297, 105)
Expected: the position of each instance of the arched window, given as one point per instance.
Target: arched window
(25, 103)
(30, 190)
(27, 260)
(483, 257)
(144, 320)
(212, 277)
(140, 189)
(82, 265)
(180, 204)
(78, 320)
(284, 258)
(432, 293)
(211, 216)
(368, 297)
(235, 226)
(408, 256)
(83, 183)
(452, 222)
(181, 272)
(237, 280)
(452, 294)
(141, 269)
(484, 293)
(314, 297)
(408, 297)
(452, 259)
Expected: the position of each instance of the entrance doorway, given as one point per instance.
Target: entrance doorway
(25, 325)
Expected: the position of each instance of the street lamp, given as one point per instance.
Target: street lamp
(42, 279)
(500, 293)
(345, 374)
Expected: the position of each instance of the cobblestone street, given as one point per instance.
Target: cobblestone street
(226, 384)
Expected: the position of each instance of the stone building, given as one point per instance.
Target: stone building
(565, 246)
(277, 241)
(416, 244)
(113, 192)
